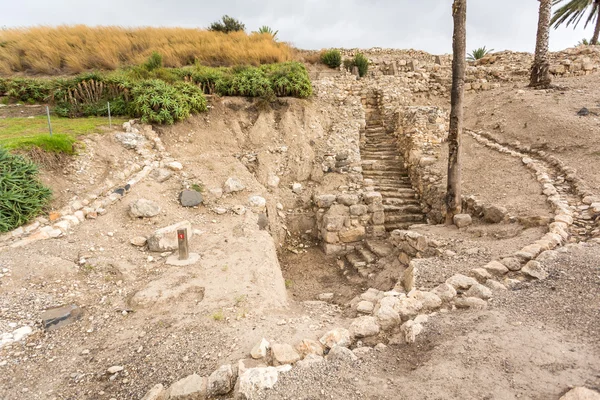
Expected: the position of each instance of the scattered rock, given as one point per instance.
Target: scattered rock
(581, 393)
(233, 185)
(479, 291)
(460, 281)
(284, 354)
(138, 241)
(161, 175)
(494, 214)
(191, 387)
(428, 300)
(114, 369)
(273, 181)
(341, 354)
(297, 188)
(365, 307)
(512, 263)
(387, 317)
(470, 302)
(143, 208)
(175, 166)
(21, 333)
(221, 381)
(534, 269)
(481, 274)
(253, 380)
(409, 308)
(462, 220)
(326, 296)
(410, 330)
(257, 201)
(495, 285)
(165, 239)
(445, 292)
(309, 360)
(496, 268)
(365, 326)
(55, 318)
(308, 346)
(261, 349)
(336, 337)
(156, 393)
(190, 198)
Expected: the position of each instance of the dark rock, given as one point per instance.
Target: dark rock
(120, 191)
(583, 112)
(55, 318)
(190, 198)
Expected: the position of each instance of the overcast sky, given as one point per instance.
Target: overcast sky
(316, 24)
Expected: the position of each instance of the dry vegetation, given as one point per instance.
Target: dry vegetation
(73, 49)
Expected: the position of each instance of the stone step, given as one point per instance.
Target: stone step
(380, 248)
(401, 218)
(397, 210)
(367, 255)
(395, 193)
(386, 174)
(356, 260)
(397, 225)
(399, 199)
(397, 187)
(377, 147)
(369, 141)
(379, 167)
(382, 158)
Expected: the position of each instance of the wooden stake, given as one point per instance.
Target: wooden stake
(182, 242)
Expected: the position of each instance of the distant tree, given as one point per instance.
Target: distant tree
(459, 63)
(227, 24)
(267, 29)
(573, 11)
(479, 53)
(540, 70)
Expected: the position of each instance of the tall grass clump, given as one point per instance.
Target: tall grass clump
(74, 49)
(22, 195)
(332, 58)
(362, 63)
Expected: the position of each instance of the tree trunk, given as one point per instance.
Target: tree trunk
(459, 46)
(540, 70)
(597, 29)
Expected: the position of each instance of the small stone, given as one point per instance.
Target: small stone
(297, 188)
(138, 241)
(284, 354)
(494, 214)
(429, 300)
(273, 181)
(221, 381)
(341, 354)
(534, 269)
(254, 380)
(143, 208)
(479, 291)
(175, 166)
(470, 302)
(55, 318)
(445, 291)
(481, 274)
(496, 268)
(190, 198)
(365, 307)
(114, 369)
(257, 202)
(410, 330)
(339, 337)
(21, 333)
(365, 326)
(261, 349)
(409, 307)
(326, 296)
(233, 185)
(460, 281)
(495, 286)
(387, 317)
(191, 387)
(161, 175)
(156, 393)
(581, 393)
(462, 220)
(308, 346)
(512, 263)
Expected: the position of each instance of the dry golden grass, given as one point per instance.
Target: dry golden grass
(73, 49)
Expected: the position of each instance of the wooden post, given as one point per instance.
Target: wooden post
(109, 119)
(182, 242)
(49, 124)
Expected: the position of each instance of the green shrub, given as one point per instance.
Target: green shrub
(289, 79)
(154, 61)
(362, 63)
(22, 196)
(3, 86)
(29, 90)
(478, 53)
(155, 101)
(226, 25)
(332, 58)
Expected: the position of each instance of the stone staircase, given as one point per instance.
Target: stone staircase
(366, 255)
(383, 170)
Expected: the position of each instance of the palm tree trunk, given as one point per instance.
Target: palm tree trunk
(540, 70)
(459, 45)
(597, 30)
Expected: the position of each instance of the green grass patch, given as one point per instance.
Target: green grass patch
(24, 133)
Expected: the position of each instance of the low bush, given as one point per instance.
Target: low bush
(29, 90)
(332, 58)
(3, 86)
(362, 63)
(155, 61)
(22, 195)
(156, 101)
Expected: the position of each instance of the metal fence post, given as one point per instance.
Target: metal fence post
(49, 124)
(109, 118)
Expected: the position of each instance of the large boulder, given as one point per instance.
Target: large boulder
(143, 208)
(191, 387)
(190, 198)
(336, 337)
(581, 393)
(221, 381)
(363, 327)
(494, 214)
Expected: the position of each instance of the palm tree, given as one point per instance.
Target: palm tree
(540, 70)
(459, 50)
(478, 54)
(574, 10)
